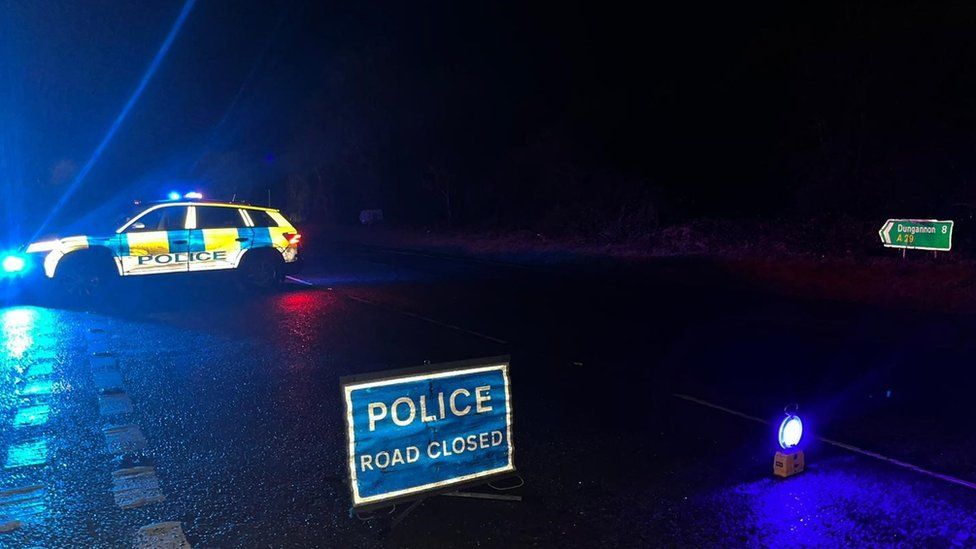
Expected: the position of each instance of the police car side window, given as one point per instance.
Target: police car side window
(209, 217)
(261, 218)
(156, 220)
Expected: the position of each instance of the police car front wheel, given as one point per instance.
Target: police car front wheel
(85, 275)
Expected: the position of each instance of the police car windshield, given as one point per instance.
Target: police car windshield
(124, 218)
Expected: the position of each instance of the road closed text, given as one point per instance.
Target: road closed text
(436, 449)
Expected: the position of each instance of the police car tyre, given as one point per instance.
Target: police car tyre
(262, 268)
(86, 274)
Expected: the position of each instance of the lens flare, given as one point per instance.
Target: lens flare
(143, 82)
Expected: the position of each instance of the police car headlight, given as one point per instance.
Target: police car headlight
(13, 264)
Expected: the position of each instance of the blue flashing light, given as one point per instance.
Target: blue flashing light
(173, 195)
(790, 431)
(13, 264)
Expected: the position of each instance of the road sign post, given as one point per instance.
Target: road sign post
(917, 234)
(424, 431)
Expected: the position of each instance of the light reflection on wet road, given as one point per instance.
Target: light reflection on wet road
(228, 406)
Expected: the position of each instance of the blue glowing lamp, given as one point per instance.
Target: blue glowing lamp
(173, 195)
(790, 431)
(13, 264)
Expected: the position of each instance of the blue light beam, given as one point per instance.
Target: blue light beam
(146, 77)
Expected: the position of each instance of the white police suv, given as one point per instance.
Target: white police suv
(182, 235)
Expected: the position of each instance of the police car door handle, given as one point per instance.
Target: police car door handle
(179, 242)
(242, 239)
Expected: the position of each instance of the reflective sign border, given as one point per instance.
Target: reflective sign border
(349, 383)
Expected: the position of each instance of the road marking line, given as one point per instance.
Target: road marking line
(849, 447)
(44, 355)
(425, 318)
(107, 380)
(102, 363)
(20, 505)
(162, 535)
(29, 416)
(37, 387)
(29, 453)
(408, 313)
(123, 439)
(136, 486)
(113, 404)
(40, 369)
(458, 258)
(299, 280)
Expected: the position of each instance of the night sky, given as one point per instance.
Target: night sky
(553, 116)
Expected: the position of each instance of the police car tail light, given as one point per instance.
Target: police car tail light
(293, 238)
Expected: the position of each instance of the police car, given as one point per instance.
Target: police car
(185, 234)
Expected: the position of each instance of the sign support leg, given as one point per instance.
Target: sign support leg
(400, 516)
(403, 514)
(482, 495)
(497, 495)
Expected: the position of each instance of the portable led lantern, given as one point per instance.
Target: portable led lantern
(790, 460)
(790, 432)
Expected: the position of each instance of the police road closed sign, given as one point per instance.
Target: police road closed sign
(423, 431)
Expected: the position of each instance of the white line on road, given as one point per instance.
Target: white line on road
(299, 280)
(425, 319)
(408, 313)
(849, 447)
(457, 258)
(136, 486)
(162, 535)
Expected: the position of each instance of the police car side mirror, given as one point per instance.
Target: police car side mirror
(137, 226)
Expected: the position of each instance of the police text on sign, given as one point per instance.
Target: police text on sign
(413, 433)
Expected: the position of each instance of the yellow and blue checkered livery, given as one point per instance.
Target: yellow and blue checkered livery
(176, 237)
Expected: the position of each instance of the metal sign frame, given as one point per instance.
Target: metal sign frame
(348, 384)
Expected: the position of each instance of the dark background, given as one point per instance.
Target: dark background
(566, 118)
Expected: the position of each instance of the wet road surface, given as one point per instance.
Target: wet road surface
(195, 412)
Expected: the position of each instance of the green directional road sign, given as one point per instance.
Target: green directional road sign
(917, 234)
